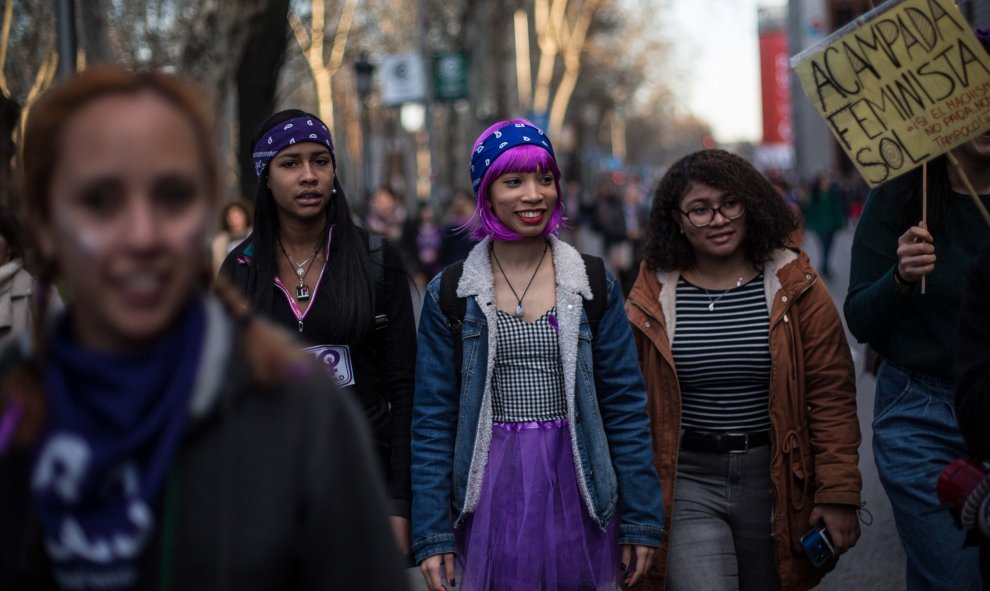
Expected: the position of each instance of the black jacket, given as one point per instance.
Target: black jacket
(973, 359)
(276, 489)
(384, 363)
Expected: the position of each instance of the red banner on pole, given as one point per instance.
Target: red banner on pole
(776, 83)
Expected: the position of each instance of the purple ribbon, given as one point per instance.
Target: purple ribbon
(524, 425)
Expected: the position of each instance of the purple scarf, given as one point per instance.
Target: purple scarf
(114, 424)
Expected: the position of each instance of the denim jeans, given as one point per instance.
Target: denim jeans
(915, 435)
(720, 535)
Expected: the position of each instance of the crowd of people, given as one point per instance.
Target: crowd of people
(261, 409)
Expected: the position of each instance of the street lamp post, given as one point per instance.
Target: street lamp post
(65, 13)
(363, 72)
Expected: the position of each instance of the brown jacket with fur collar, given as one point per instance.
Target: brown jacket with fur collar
(815, 432)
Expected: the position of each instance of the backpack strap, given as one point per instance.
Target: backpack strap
(595, 308)
(453, 307)
(376, 250)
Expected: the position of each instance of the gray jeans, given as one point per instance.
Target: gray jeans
(720, 535)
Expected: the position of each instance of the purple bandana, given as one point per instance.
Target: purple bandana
(286, 133)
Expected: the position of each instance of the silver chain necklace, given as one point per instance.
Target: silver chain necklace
(302, 290)
(711, 302)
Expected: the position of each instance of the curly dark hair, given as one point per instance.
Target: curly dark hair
(769, 220)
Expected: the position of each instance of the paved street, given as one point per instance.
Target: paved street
(877, 561)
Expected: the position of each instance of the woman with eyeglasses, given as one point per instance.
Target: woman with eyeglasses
(750, 385)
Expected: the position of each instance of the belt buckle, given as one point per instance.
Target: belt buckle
(745, 438)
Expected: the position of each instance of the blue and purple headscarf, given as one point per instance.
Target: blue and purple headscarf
(287, 133)
(509, 146)
(501, 140)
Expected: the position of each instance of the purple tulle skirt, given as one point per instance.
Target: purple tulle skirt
(531, 530)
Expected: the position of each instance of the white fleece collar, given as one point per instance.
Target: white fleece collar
(477, 280)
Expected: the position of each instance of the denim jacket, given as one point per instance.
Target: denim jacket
(606, 408)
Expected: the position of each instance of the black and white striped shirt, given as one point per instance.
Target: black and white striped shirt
(722, 352)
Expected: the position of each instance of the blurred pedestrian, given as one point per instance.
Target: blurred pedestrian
(915, 432)
(636, 215)
(824, 215)
(156, 436)
(532, 464)
(235, 226)
(973, 375)
(610, 222)
(386, 214)
(341, 291)
(790, 196)
(457, 242)
(751, 385)
(17, 284)
(424, 237)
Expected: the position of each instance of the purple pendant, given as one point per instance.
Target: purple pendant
(302, 293)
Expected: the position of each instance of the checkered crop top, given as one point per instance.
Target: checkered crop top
(528, 378)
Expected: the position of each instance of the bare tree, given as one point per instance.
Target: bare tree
(561, 29)
(323, 67)
(214, 43)
(94, 31)
(27, 67)
(257, 78)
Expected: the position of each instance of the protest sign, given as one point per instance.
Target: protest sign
(900, 85)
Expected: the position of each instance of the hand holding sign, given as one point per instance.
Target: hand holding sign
(915, 254)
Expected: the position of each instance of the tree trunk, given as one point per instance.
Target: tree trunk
(216, 42)
(257, 79)
(94, 34)
(10, 113)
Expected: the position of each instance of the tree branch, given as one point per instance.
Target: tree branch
(299, 31)
(318, 29)
(342, 35)
(8, 17)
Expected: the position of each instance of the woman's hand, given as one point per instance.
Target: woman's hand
(643, 560)
(915, 254)
(432, 567)
(842, 522)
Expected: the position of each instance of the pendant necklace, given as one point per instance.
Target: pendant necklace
(711, 302)
(519, 307)
(302, 291)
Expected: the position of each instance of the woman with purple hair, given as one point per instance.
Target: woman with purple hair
(531, 457)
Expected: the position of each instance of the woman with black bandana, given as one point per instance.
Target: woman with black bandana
(343, 292)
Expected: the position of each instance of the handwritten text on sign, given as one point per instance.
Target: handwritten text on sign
(904, 83)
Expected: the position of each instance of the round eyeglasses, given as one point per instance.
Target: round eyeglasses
(702, 217)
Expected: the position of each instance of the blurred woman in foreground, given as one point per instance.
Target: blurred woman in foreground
(154, 436)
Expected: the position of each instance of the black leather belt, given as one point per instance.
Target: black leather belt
(720, 442)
